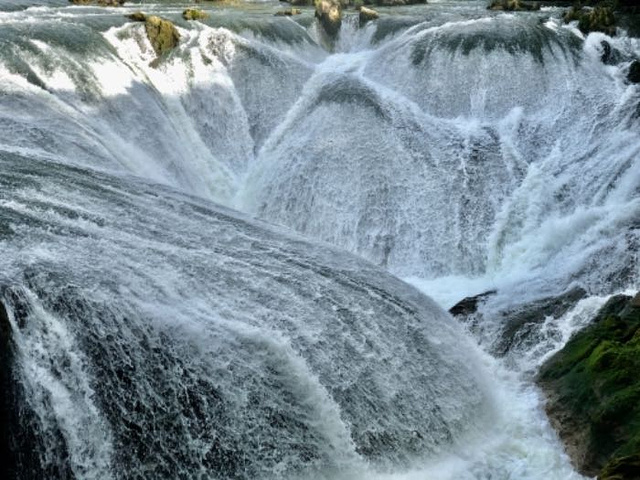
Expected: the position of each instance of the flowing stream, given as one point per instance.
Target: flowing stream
(235, 262)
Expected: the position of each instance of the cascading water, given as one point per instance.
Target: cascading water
(156, 334)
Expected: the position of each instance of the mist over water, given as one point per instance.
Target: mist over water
(162, 333)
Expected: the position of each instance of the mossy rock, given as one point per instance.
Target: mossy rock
(137, 17)
(329, 15)
(289, 12)
(625, 468)
(597, 19)
(194, 14)
(513, 5)
(162, 34)
(367, 15)
(593, 386)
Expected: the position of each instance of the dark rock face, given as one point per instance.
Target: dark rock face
(469, 305)
(593, 391)
(520, 324)
(634, 72)
(610, 56)
(20, 446)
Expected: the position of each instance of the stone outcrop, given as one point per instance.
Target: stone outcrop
(593, 391)
(367, 15)
(329, 14)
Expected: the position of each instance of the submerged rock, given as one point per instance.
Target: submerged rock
(367, 14)
(329, 14)
(593, 391)
(634, 72)
(513, 5)
(598, 19)
(194, 14)
(162, 34)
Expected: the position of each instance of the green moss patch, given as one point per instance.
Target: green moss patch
(594, 383)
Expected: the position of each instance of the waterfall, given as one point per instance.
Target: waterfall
(233, 262)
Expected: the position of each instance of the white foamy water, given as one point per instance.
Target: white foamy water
(460, 150)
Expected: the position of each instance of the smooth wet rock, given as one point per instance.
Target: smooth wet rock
(162, 34)
(329, 14)
(469, 305)
(634, 72)
(367, 15)
(194, 14)
(593, 392)
(521, 324)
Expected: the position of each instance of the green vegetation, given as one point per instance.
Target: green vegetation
(593, 384)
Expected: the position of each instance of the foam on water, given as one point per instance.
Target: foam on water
(459, 149)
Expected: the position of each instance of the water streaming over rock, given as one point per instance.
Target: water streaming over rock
(158, 334)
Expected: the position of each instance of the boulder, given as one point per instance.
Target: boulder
(288, 12)
(329, 14)
(597, 19)
(593, 392)
(469, 305)
(137, 17)
(367, 14)
(194, 14)
(513, 5)
(633, 76)
(162, 34)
